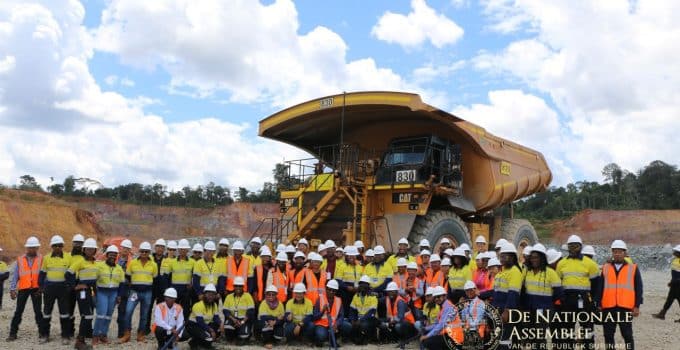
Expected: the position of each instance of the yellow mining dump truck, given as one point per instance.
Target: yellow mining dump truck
(386, 166)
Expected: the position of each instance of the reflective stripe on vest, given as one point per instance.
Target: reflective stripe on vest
(28, 275)
(233, 271)
(295, 277)
(164, 313)
(393, 310)
(619, 290)
(259, 272)
(315, 287)
(335, 311)
(279, 281)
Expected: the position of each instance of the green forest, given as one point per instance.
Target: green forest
(655, 186)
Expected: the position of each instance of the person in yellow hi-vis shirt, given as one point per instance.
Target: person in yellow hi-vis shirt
(83, 275)
(208, 271)
(379, 272)
(239, 312)
(506, 291)
(110, 283)
(580, 281)
(298, 315)
(53, 284)
(204, 322)
(179, 276)
(4, 274)
(458, 274)
(402, 252)
(363, 314)
(140, 275)
(674, 284)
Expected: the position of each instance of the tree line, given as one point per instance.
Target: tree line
(655, 186)
(202, 196)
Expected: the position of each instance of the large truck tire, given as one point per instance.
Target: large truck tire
(434, 226)
(519, 231)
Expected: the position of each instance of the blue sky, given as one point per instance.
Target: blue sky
(172, 91)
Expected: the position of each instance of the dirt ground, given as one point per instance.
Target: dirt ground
(650, 333)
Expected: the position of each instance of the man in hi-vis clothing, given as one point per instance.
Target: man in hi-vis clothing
(621, 296)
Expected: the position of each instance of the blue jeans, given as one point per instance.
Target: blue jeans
(145, 299)
(106, 302)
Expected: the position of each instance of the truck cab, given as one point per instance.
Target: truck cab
(413, 160)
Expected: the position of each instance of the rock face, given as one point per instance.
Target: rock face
(28, 213)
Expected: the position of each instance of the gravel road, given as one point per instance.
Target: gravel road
(650, 333)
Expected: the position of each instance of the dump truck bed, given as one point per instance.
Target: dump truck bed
(495, 171)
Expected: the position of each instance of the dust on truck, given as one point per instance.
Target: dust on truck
(387, 166)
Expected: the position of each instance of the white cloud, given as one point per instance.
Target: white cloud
(422, 24)
(430, 72)
(113, 80)
(60, 122)
(612, 69)
(525, 119)
(251, 51)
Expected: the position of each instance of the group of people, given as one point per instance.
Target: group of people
(205, 293)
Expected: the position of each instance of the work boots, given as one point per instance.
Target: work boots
(95, 340)
(80, 344)
(125, 338)
(661, 315)
(141, 338)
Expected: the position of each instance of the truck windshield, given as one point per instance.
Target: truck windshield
(413, 155)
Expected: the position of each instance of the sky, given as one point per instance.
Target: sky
(172, 91)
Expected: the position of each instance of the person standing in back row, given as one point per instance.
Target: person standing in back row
(54, 288)
(140, 275)
(82, 277)
(4, 274)
(24, 284)
(674, 284)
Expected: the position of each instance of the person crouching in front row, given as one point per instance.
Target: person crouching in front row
(271, 316)
(239, 312)
(204, 323)
(298, 315)
(168, 320)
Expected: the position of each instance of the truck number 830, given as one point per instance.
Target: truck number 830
(405, 176)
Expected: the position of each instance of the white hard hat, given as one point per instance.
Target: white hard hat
(438, 290)
(56, 239)
(540, 248)
(450, 252)
(126, 243)
(508, 248)
(332, 284)
(527, 249)
(183, 244)
(339, 249)
(265, 251)
(209, 245)
(238, 281)
(271, 289)
(112, 249)
(677, 248)
(351, 250)
(619, 244)
(172, 245)
(78, 238)
(469, 285)
(445, 240)
(435, 258)
(330, 244)
(160, 242)
(321, 248)
(223, 241)
(425, 252)
(303, 241)
(403, 241)
(170, 293)
(299, 288)
(237, 246)
(411, 266)
(458, 252)
(365, 279)
(370, 253)
(590, 250)
(32, 242)
(315, 257)
(197, 248)
(574, 239)
(209, 288)
(491, 254)
(359, 244)
(392, 287)
(290, 249)
(480, 239)
(401, 262)
(378, 250)
(256, 240)
(424, 243)
(500, 242)
(280, 248)
(299, 254)
(281, 257)
(429, 290)
(446, 262)
(493, 262)
(142, 246)
(553, 255)
(465, 247)
(481, 255)
(90, 243)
